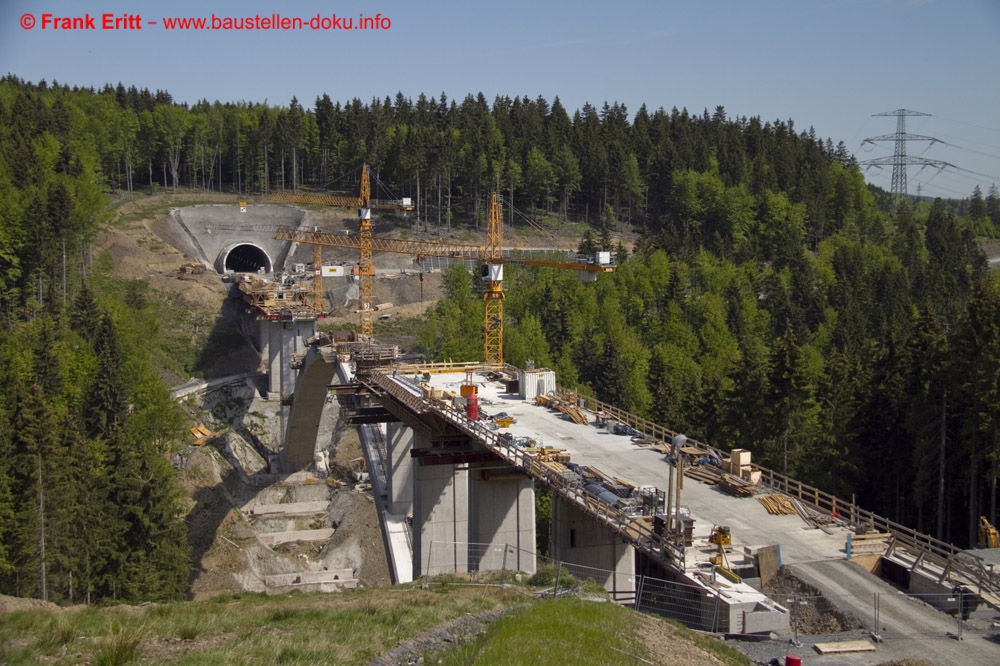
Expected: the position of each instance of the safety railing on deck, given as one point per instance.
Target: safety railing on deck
(639, 533)
(924, 548)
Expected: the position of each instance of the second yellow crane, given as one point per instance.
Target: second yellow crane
(491, 255)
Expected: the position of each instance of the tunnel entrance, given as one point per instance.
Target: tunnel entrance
(247, 258)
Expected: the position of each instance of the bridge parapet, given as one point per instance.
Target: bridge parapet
(633, 530)
(948, 561)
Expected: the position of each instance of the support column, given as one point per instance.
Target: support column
(578, 539)
(273, 358)
(503, 519)
(440, 517)
(399, 441)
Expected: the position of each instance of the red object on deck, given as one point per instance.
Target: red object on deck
(472, 407)
(792, 660)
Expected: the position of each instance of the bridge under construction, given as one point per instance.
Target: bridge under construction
(457, 452)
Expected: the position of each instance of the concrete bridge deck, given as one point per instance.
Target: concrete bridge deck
(617, 456)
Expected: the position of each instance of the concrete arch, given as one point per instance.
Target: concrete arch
(307, 408)
(244, 257)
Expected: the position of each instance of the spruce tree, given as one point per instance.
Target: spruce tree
(85, 316)
(6, 496)
(47, 369)
(34, 440)
(107, 400)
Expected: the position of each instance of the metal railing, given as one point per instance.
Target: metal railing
(924, 548)
(637, 532)
(956, 564)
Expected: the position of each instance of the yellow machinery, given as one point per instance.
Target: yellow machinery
(988, 537)
(491, 255)
(503, 421)
(721, 535)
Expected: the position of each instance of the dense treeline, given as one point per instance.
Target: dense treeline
(90, 508)
(446, 154)
(870, 367)
(771, 303)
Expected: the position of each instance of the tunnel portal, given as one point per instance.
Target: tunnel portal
(244, 258)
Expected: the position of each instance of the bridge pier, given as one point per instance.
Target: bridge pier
(503, 510)
(399, 479)
(279, 341)
(470, 512)
(578, 539)
(269, 336)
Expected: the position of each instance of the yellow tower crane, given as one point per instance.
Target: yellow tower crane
(491, 255)
(366, 271)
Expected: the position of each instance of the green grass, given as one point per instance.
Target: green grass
(555, 632)
(347, 628)
(568, 630)
(122, 646)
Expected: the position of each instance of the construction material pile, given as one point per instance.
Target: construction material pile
(734, 485)
(778, 504)
(566, 408)
(707, 474)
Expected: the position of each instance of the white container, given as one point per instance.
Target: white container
(536, 382)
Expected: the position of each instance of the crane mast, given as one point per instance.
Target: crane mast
(493, 295)
(366, 271)
(491, 254)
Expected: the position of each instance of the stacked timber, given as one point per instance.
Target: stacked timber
(734, 485)
(548, 454)
(558, 469)
(574, 414)
(778, 504)
(707, 474)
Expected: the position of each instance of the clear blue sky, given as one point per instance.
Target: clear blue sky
(827, 64)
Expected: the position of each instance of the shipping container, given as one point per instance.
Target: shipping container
(536, 382)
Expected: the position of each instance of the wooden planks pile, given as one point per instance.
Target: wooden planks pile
(708, 474)
(778, 504)
(575, 414)
(734, 485)
(812, 516)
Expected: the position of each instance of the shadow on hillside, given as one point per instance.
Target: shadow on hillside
(204, 525)
(228, 349)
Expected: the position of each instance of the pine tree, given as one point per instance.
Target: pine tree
(6, 496)
(106, 400)
(33, 442)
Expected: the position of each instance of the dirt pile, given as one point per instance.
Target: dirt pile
(17, 604)
(811, 612)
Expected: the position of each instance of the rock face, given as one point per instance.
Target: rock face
(250, 530)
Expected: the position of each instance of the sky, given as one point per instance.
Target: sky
(826, 64)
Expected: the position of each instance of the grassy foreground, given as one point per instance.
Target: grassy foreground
(352, 627)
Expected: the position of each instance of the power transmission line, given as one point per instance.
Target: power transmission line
(900, 160)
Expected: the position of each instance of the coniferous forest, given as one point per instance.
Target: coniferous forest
(773, 301)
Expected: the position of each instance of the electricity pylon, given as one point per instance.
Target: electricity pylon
(900, 160)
